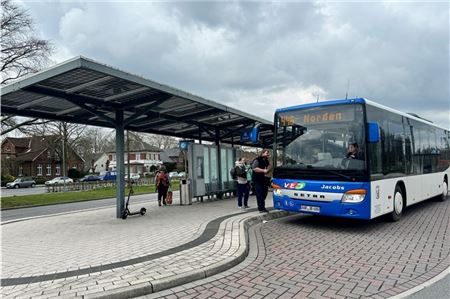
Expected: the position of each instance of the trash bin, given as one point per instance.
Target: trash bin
(185, 193)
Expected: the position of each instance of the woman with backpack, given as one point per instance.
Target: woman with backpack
(162, 185)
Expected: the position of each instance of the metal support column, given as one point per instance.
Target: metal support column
(120, 181)
(219, 159)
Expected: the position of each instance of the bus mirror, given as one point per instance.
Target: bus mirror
(374, 132)
(255, 134)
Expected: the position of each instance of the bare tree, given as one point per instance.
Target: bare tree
(161, 141)
(93, 141)
(11, 123)
(21, 52)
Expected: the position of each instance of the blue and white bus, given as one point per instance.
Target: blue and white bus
(402, 159)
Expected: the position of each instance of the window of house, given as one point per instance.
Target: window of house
(49, 155)
(74, 166)
(39, 169)
(58, 169)
(49, 169)
(138, 156)
(20, 170)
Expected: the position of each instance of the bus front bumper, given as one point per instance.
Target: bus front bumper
(330, 208)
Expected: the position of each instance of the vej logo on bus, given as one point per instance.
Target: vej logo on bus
(295, 185)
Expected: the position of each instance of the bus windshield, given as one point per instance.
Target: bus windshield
(330, 138)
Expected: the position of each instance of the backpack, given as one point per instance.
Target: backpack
(163, 179)
(233, 173)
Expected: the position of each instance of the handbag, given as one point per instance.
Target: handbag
(169, 197)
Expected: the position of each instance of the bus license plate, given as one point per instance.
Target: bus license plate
(310, 209)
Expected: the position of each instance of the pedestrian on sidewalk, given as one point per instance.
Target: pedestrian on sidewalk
(261, 167)
(162, 185)
(242, 183)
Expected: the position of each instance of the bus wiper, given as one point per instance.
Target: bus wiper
(309, 166)
(340, 174)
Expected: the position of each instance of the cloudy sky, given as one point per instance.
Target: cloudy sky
(259, 56)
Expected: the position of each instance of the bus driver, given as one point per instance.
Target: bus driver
(353, 151)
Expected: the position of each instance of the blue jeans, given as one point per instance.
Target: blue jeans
(243, 192)
(261, 194)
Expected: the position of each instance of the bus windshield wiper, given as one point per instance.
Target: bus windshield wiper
(340, 174)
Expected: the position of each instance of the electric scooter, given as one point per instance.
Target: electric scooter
(127, 212)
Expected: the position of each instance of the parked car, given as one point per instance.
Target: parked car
(59, 180)
(133, 176)
(90, 178)
(21, 183)
(182, 175)
(108, 176)
(173, 174)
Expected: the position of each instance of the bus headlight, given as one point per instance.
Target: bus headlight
(354, 196)
(278, 192)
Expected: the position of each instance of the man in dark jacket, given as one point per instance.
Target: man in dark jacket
(260, 167)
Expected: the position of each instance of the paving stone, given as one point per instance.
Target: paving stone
(307, 256)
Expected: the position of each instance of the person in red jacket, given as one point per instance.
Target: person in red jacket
(162, 185)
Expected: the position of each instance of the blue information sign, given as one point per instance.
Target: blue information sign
(184, 144)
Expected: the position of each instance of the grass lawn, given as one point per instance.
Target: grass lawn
(73, 196)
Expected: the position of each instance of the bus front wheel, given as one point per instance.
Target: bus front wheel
(399, 204)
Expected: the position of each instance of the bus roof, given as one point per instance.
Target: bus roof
(356, 101)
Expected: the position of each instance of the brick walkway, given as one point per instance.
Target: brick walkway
(93, 254)
(171, 250)
(312, 257)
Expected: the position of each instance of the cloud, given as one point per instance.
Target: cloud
(268, 55)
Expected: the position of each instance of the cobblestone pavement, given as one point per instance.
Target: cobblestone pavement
(92, 254)
(313, 257)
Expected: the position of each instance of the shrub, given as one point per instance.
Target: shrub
(39, 180)
(74, 174)
(7, 178)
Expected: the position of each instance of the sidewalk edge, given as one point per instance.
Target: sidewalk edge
(422, 286)
(183, 278)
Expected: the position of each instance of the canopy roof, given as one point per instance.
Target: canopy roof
(83, 91)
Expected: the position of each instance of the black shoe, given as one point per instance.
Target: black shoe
(159, 203)
(164, 204)
(264, 211)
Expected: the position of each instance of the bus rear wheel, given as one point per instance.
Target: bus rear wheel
(398, 203)
(444, 194)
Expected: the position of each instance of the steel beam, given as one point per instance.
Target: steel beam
(120, 166)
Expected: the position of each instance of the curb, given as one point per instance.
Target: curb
(183, 278)
(422, 286)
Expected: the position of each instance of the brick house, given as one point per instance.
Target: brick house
(142, 157)
(37, 156)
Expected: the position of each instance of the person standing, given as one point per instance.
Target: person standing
(260, 167)
(162, 185)
(242, 183)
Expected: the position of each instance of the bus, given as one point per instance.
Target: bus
(400, 159)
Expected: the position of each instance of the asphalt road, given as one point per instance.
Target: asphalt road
(14, 214)
(439, 290)
(23, 191)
